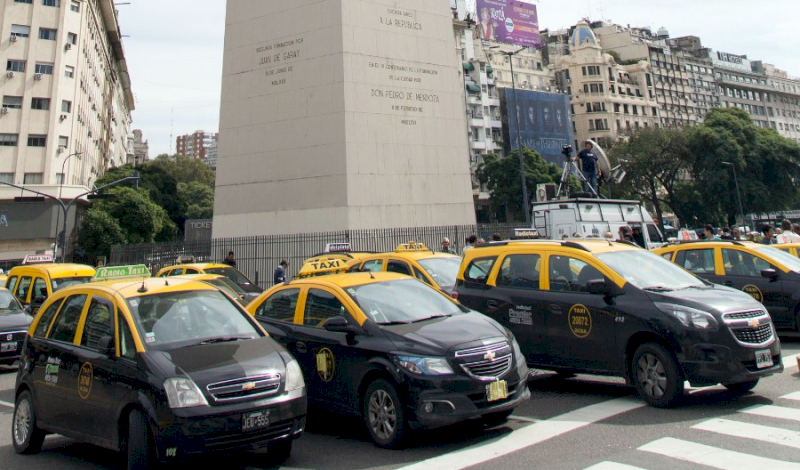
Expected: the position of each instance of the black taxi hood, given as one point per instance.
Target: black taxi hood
(712, 298)
(212, 363)
(439, 336)
(16, 320)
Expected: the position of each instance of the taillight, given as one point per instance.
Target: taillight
(454, 295)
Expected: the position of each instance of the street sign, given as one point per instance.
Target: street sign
(119, 272)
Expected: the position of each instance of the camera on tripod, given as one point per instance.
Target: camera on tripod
(566, 151)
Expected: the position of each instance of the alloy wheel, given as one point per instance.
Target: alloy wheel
(651, 375)
(382, 414)
(22, 422)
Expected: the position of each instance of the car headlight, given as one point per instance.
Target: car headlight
(182, 392)
(425, 365)
(294, 376)
(690, 317)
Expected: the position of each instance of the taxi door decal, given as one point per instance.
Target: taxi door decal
(85, 378)
(754, 292)
(326, 364)
(580, 321)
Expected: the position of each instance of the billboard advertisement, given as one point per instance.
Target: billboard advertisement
(544, 124)
(27, 221)
(509, 21)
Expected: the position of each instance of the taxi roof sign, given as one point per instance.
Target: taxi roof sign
(38, 259)
(411, 246)
(524, 234)
(185, 259)
(120, 272)
(334, 247)
(321, 266)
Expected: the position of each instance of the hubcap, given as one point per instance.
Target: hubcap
(651, 375)
(22, 422)
(382, 414)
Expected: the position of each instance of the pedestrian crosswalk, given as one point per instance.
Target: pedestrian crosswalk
(782, 420)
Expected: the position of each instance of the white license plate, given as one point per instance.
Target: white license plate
(7, 347)
(763, 359)
(255, 420)
(497, 391)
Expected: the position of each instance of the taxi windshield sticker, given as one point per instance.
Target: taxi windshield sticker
(754, 292)
(326, 365)
(85, 380)
(580, 321)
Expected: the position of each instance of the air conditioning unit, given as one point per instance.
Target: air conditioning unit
(37, 76)
(3, 110)
(10, 74)
(68, 46)
(13, 38)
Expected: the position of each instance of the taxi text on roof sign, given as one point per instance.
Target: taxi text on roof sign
(118, 272)
(411, 246)
(37, 259)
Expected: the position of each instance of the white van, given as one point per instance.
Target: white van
(558, 218)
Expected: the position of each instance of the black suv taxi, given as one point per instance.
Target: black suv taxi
(610, 308)
(160, 369)
(394, 351)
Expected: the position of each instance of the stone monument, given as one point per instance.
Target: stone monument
(339, 115)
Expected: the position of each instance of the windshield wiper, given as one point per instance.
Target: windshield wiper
(658, 289)
(396, 322)
(441, 315)
(225, 339)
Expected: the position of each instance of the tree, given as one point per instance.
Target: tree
(199, 199)
(139, 218)
(98, 232)
(502, 179)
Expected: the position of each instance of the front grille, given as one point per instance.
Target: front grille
(489, 368)
(237, 439)
(743, 315)
(758, 335)
(246, 387)
(481, 350)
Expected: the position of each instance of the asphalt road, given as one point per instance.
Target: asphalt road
(586, 422)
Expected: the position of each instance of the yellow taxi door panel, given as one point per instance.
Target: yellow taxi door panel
(743, 272)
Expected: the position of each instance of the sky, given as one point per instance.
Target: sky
(174, 48)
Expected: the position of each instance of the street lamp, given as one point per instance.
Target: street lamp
(738, 193)
(525, 207)
(60, 186)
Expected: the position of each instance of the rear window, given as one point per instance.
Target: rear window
(63, 282)
(230, 273)
(478, 270)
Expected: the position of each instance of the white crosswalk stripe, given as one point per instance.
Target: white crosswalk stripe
(792, 396)
(751, 431)
(613, 466)
(772, 411)
(714, 457)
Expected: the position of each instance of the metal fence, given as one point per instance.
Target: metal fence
(257, 257)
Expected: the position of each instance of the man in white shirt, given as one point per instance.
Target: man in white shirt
(787, 236)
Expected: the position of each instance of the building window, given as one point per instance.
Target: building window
(12, 102)
(51, 3)
(6, 177)
(20, 31)
(59, 178)
(8, 140)
(15, 66)
(66, 106)
(69, 71)
(75, 6)
(47, 34)
(23, 1)
(63, 141)
(72, 38)
(33, 178)
(44, 68)
(35, 140)
(40, 103)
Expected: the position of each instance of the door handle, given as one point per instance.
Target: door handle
(301, 347)
(555, 308)
(728, 283)
(492, 304)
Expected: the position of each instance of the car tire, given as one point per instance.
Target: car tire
(496, 419)
(384, 414)
(279, 452)
(25, 436)
(740, 388)
(656, 375)
(139, 449)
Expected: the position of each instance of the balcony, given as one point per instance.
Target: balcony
(495, 123)
(477, 121)
(477, 145)
(474, 99)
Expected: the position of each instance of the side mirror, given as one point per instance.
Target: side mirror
(603, 287)
(106, 345)
(340, 325)
(769, 273)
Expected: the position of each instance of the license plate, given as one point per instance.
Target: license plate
(6, 347)
(497, 390)
(255, 420)
(763, 359)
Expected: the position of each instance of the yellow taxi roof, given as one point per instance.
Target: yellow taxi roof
(198, 277)
(786, 245)
(129, 287)
(593, 245)
(57, 270)
(345, 280)
(197, 265)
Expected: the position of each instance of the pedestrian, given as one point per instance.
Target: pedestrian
(480, 241)
(496, 237)
(768, 232)
(788, 236)
(279, 276)
(796, 229)
(588, 168)
(626, 235)
(736, 234)
(726, 234)
(470, 242)
(229, 260)
(446, 247)
(708, 233)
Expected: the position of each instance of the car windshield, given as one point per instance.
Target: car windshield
(224, 283)
(780, 256)
(8, 303)
(401, 301)
(175, 319)
(63, 282)
(442, 270)
(649, 271)
(230, 273)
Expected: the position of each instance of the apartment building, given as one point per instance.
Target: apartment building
(196, 144)
(66, 110)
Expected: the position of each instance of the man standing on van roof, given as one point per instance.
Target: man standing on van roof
(589, 168)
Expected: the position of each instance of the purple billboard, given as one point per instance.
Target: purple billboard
(509, 21)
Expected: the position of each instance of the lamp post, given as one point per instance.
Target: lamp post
(738, 193)
(525, 204)
(60, 187)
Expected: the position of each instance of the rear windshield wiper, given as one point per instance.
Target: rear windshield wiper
(225, 339)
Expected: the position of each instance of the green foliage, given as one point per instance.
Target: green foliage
(98, 232)
(501, 175)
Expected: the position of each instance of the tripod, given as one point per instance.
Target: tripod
(563, 187)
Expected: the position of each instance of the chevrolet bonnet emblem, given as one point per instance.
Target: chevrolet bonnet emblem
(754, 323)
(249, 386)
(489, 356)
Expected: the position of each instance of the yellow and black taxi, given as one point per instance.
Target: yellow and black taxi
(224, 283)
(416, 260)
(186, 265)
(39, 276)
(160, 369)
(395, 352)
(614, 309)
(14, 324)
(791, 248)
(768, 274)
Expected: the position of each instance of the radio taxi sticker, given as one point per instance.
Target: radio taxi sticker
(521, 315)
(326, 364)
(85, 377)
(580, 321)
(51, 370)
(754, 292)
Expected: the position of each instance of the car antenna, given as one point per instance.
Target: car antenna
(166, 282)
